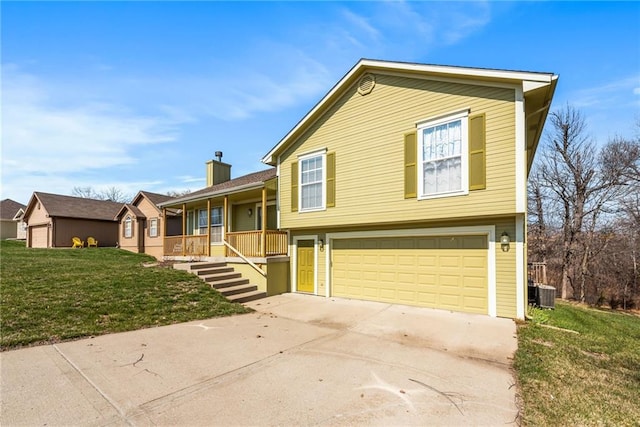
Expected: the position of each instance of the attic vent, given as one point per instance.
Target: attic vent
(366, 84)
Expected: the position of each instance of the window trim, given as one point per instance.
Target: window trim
(323, 155)
(463, 116)
(151, 227)
(128, 223)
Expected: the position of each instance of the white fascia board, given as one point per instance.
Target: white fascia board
(461, 71)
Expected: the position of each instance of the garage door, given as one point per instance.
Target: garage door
(440, 272)
(39, 236)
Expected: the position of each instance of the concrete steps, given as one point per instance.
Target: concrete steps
(225, 280)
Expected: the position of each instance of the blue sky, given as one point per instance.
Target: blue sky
(139, 95)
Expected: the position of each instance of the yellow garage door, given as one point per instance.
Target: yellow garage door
(440, 272)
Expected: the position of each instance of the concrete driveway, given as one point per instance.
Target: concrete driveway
(298, 360)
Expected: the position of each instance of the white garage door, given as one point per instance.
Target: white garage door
(39, 236)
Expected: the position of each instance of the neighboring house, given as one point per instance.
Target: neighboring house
(21, 232)
(53, 220)
(141, 224)
(406, 183)
(11, 224)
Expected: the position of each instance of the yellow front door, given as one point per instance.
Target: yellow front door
(305, 266)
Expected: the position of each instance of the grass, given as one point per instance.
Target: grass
(51, 295)
(588, 378)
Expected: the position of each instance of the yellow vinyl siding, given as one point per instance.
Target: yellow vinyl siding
(506, 270)
(241, 221)
(367, 134)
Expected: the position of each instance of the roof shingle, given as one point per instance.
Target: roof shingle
(78, 207)
(228, 186)
(9, 208)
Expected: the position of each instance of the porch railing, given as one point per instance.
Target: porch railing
(193, 245)
(249, 243)
(537, 272)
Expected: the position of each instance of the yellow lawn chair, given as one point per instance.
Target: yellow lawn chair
(92, 242)
(77, 243)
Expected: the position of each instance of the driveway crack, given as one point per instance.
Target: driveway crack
(94, 386)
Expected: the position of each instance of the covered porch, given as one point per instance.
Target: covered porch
(232, 222)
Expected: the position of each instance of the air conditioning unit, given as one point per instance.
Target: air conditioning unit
(546, 296)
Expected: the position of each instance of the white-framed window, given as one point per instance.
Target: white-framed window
(128, 227)
(216, 223)
(153, 227)
(442, 155)
(312, 182)
(202, 221)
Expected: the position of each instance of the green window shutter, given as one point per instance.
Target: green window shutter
(410, 166)
(294, 186)
(331, 180)
(477, 152)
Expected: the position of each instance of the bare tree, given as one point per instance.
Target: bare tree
(113, 194)
(84, 192)
(586, 183)
(174, 193)
(537, 207)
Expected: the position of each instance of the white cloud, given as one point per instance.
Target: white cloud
(268, 83)
(406, 30)
(361, 23)
(46, 145)
(188, 179)
(41, 137)
(611, 94)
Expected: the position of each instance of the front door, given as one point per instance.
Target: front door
(304, 266)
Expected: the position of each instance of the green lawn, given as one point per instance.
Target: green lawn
(50, 295)
(588, 378)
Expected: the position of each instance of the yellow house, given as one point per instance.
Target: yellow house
(406, 183)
